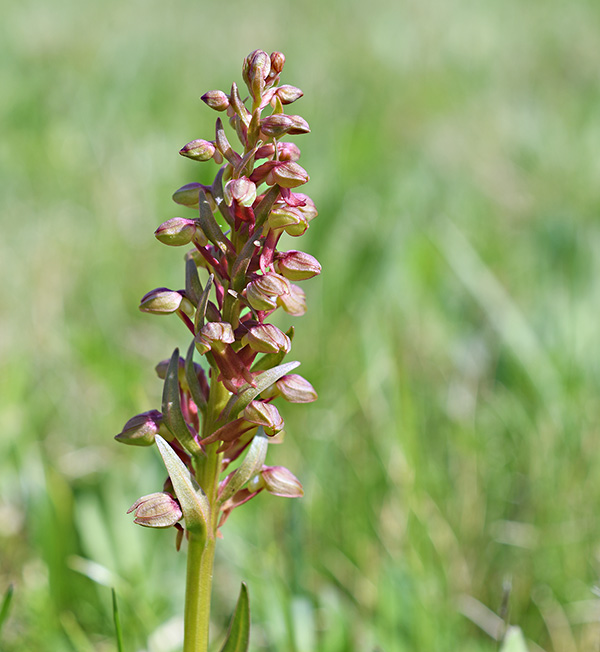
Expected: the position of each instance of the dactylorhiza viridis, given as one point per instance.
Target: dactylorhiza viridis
(223, 410)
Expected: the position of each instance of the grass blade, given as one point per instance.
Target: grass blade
(117, 620)
(238, 636)
(6, 605)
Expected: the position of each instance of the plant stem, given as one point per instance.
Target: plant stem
(201, 547)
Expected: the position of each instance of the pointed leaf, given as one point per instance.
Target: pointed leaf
(6, 604)
(171, 409)
(252, 464)
(117, 621)
(216, 190)
(238, 636)
(193, 501)
(223, 144)
(202, 303)
(248, 392)
(254, 129)
(238, 105)
(209, 225)
(192, 379)
(193, 287)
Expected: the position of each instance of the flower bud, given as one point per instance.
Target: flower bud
(287, 174)
(307, 206)
(288, 151)
(296, 265)
(141, 429)
(214, 334)
(263, 291)
(265, 415)
(266, 338)
(217, 100)
(288, 94)
(176, 232)
(293, 303)
(188, 195)
(277, 62)
(265, 151)
(295, 389)
(299, 125)
(159, 510)
(163, 301)
(279, 481)
(199, 150)
(288, 218)
(242, 190)
(276, 125)
(257, 70)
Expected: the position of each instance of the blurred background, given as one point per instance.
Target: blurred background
(452, 463)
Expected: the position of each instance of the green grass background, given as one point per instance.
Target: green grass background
(453, 335)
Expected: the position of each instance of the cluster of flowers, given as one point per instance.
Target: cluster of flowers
(254, 194)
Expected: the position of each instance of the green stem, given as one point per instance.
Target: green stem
(201, 548)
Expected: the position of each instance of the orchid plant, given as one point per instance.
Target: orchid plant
(221, 414)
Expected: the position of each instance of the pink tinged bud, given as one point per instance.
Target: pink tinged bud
(176, 232)
(307, 206)
(141, 429)
(277, 62)
(279, 481)
(263, 291)
(199, 150)
(265, 415)
(295, 389)
(188, 195)
(288, 94)
(287, 174)
(288, 151)
(265, 151)
(242, 190)
(266, 338)
(296, 265)
(217, 100)
(276, 125)
(293, 303)
(163, 301)
(214, 334)
(257, 71)
(299, 125)
(159, 510)
(288, 218)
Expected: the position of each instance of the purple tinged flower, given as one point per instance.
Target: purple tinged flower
(288, 151)
(293, 303)
(216, 100)
(266, 338)
(158, 510)
(287, 174)
(277, 62)
(141, 429)
(288, 94)
(276, 125)
(296, 389)
(162, 301)
(188, 195)
(176, 232)
(279, 481)
(263, 291)
(296, 265)
(214, 334)
(265, 415)
(241, 190)
(199, 150)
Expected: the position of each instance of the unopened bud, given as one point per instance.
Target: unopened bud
(188, 195)
(258, 69)
(277, 62)
(288, 151)
(299, 125)
(288, 218)
(141, 429)
(199, 150)
(263, 291)
(214, 334)
(176, 232)
(242, 190)
(159, 510)
(295, 389)
(217, 100)
(293, 303)
(265, 415)
(280, 481)
(288, 94)
(163, 301)
(266, 338)
(276, 125)
(297, 265)
(287, 174)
